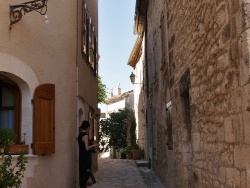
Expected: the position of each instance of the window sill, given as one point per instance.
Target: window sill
(28, 156)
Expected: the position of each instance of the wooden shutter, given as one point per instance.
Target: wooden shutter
(44, 120)
(84, 28)
(96, 56)
(87, 41)
(92, 48)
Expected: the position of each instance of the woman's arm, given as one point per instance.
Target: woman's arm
(86, 142)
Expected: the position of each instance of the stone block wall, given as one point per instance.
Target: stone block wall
(207, 73)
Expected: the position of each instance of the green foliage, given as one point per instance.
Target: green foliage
(127, 149)
(132, 133)
(102, 93)
(113, 131)
(7, 137)
(11, 174)
(136, 147)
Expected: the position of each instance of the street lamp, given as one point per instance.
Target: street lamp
(132, 78)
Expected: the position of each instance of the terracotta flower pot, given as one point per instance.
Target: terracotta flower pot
(137, 154)
(1, 150)
(129, 155)
(16, 149)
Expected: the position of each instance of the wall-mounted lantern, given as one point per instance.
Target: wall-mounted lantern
(132, 78)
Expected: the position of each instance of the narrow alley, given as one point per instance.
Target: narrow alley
(121, 173)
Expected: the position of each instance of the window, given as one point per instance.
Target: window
(92, 48)
(9, 105)
(84, 28)
(89, 41)
(88, 45)
(96, 56)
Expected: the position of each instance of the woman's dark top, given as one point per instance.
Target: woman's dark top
(84, 155)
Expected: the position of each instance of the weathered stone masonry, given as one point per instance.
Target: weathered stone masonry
(206, 71)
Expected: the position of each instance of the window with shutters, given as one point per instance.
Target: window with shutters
(96, 56)
(91, 44)
(92, 47)
(10, 105)
(84, 28)
(44, 119)
(89, 41)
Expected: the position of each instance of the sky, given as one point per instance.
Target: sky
(116, 41)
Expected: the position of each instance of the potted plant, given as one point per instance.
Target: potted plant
(137, 152)
(16, 149)
(123, 154)
(1, 146)
(1, 150)
(7, 136)
(128, 151)
(8, 142)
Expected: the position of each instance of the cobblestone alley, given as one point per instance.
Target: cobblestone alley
(119, 173)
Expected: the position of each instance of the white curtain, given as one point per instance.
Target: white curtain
(7, 119)
(7, 116)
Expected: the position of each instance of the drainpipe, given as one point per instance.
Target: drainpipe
(148, 106)
(77, 94)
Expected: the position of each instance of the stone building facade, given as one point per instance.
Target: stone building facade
(197, 79)
(136, 60)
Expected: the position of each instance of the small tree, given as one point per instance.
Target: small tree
(11, 174)
(113, 131)
(132, 133)
(102, 92)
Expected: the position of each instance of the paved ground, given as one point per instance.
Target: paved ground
(122, 173)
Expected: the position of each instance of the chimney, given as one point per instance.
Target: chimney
(111, 93)
(119, 90)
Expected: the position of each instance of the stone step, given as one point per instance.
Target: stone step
(141, 163)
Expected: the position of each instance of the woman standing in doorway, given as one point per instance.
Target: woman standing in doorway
(84, 153)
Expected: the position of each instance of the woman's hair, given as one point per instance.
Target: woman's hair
(85, 124)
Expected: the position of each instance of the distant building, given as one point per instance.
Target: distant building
(120, 101)
(113, 104)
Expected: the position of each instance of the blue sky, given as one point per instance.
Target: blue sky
(116, 40)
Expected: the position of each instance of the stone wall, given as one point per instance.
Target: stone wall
(139, 103)
(206, 70)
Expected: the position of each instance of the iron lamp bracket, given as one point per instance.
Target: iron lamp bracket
(17, 11)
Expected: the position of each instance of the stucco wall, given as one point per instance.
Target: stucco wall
(49, 50)
(210, 40)
(115, 106)
(87, 80)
